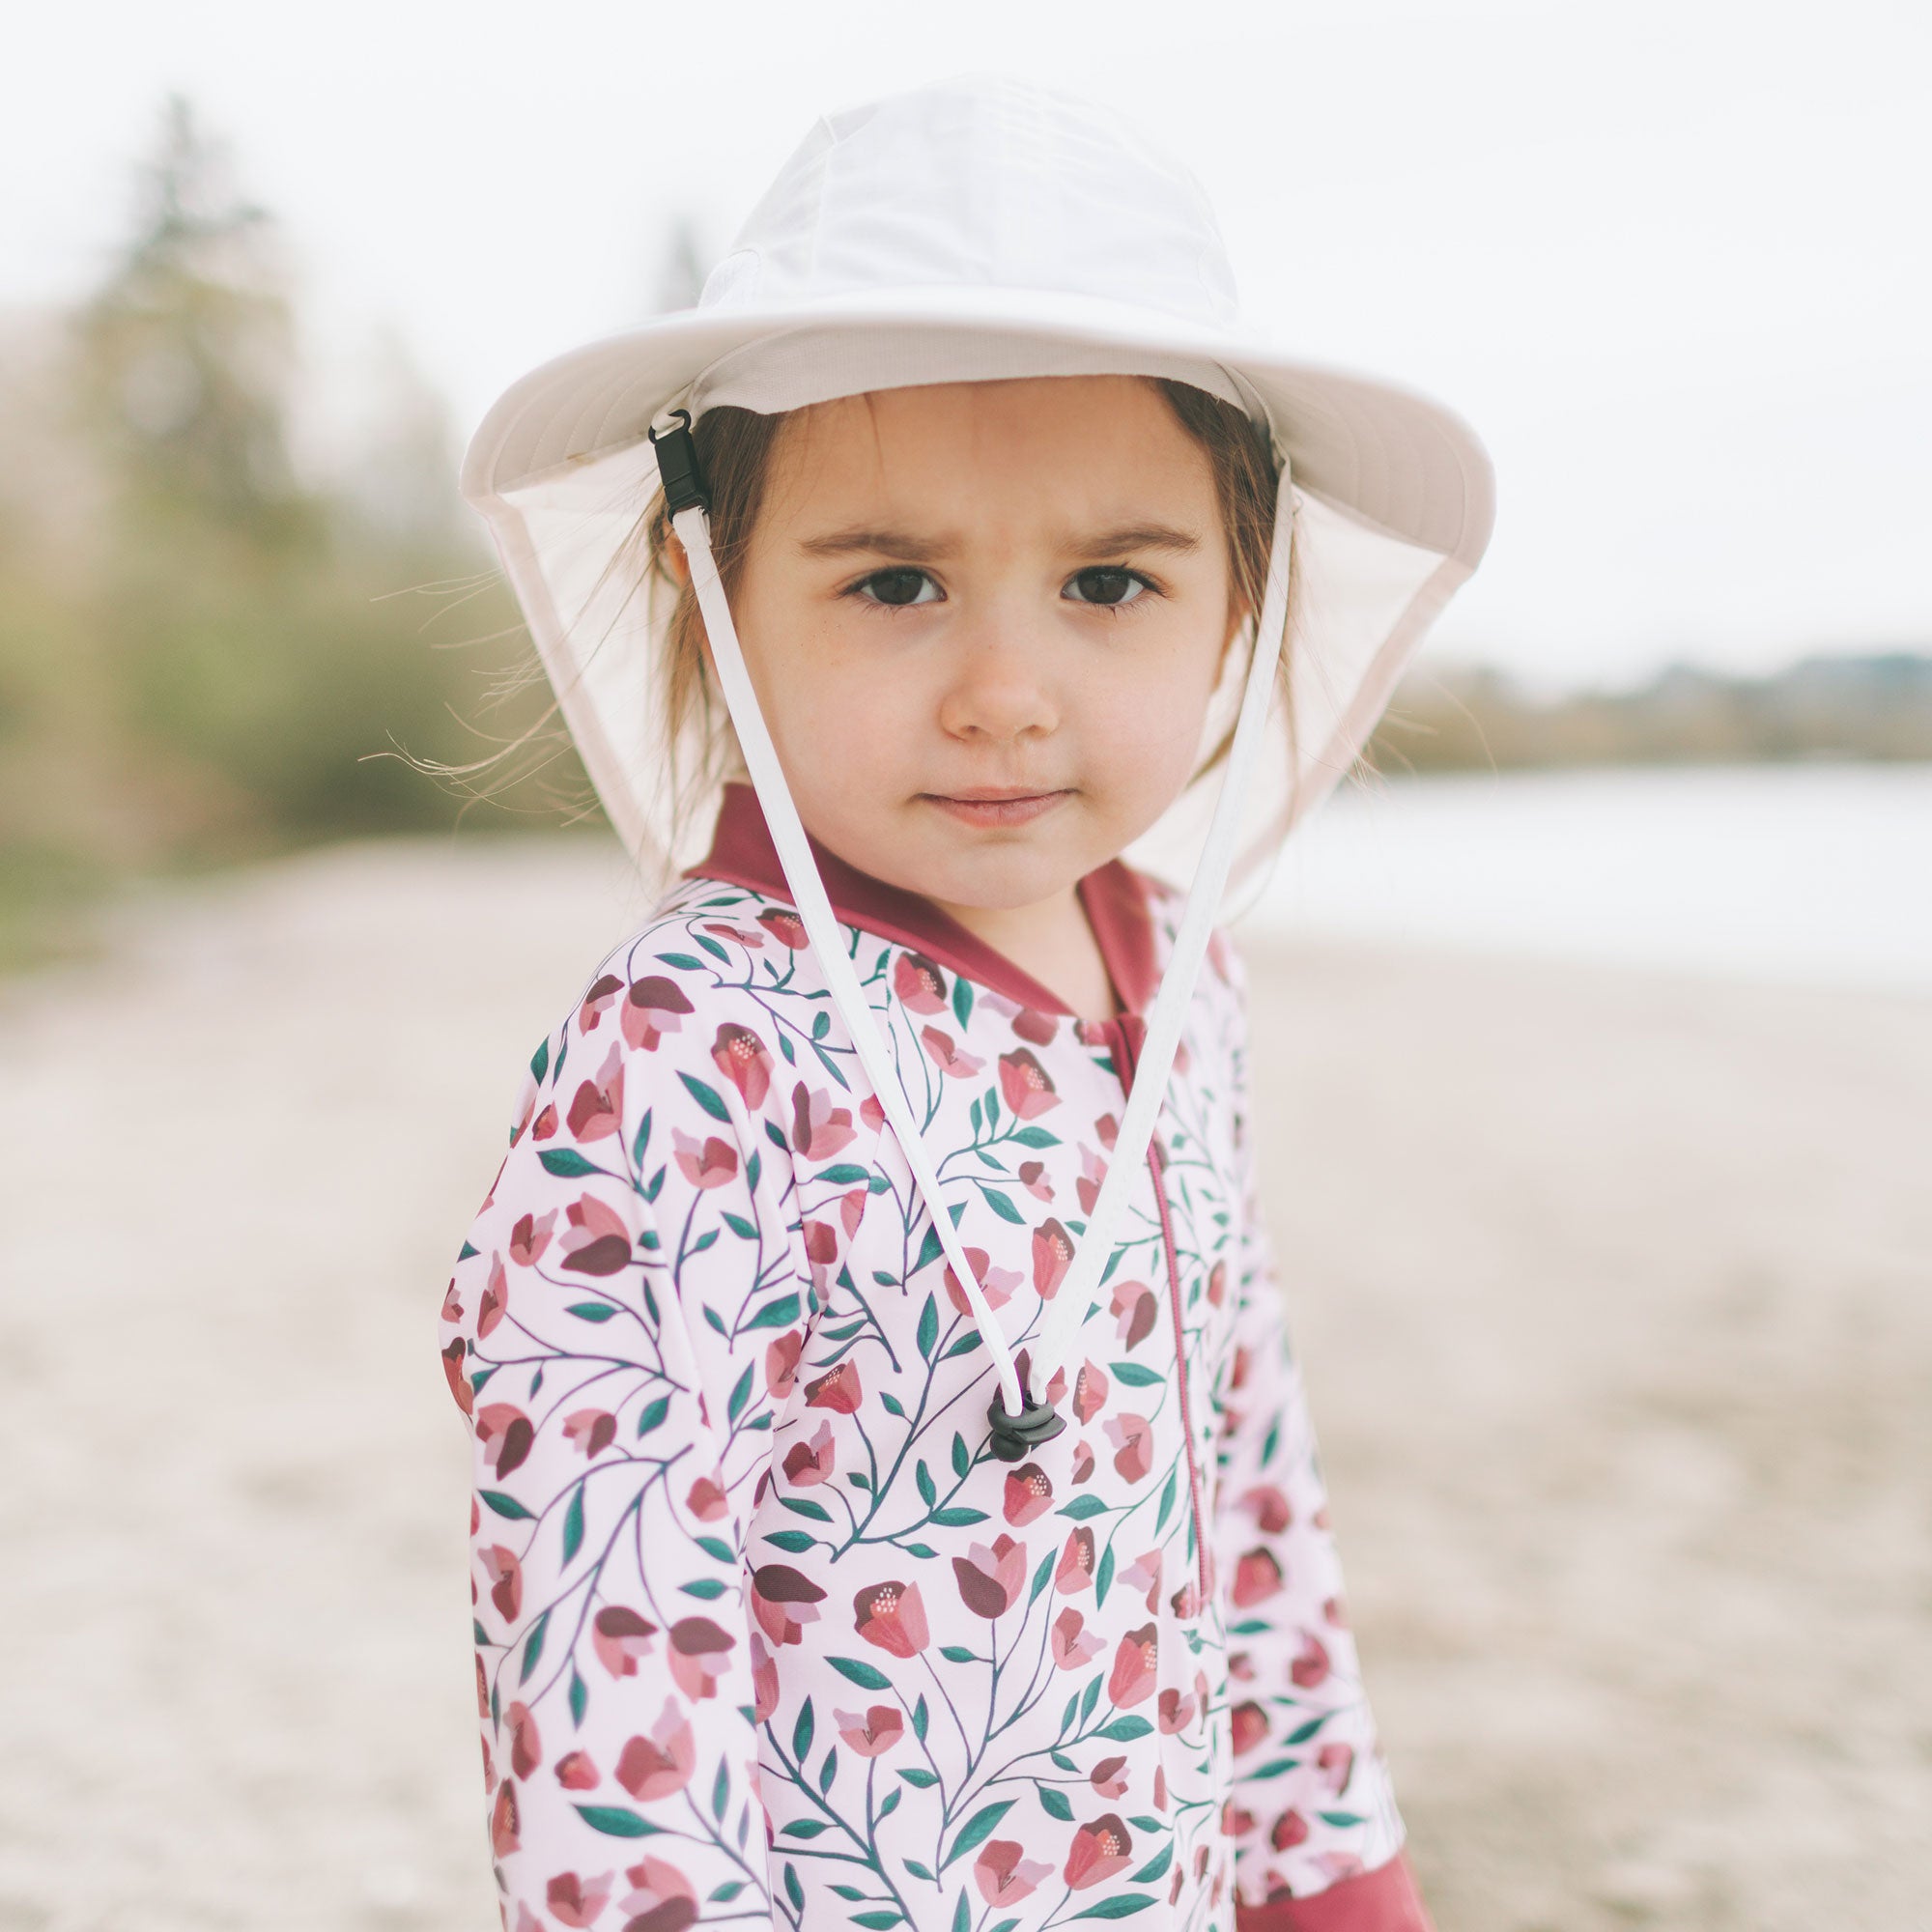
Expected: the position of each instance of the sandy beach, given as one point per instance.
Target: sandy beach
(1613, 1291)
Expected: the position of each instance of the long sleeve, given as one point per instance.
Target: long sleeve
(621, 1328)
(1318, 1839)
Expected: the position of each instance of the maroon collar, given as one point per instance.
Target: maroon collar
(1113, 895)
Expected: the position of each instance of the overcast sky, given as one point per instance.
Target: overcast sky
(1669, 259)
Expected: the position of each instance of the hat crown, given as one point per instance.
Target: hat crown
(981, 182)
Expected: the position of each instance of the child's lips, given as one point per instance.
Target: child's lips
(996, 808)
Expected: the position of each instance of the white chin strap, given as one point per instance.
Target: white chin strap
(1067, 1311)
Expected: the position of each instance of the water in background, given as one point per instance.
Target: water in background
(1810, 874)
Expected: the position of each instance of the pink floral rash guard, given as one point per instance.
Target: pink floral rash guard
(765, 1633)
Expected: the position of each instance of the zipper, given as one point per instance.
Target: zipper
(1125, 1048)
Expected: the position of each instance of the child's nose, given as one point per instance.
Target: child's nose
(997, 689)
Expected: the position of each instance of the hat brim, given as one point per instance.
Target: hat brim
(1397, 507)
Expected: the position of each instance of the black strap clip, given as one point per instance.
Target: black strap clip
(1013, 1435)
(677, 466)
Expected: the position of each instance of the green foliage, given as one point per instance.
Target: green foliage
(204, 655)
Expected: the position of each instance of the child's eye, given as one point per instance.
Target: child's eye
(897, 587)
(1105, 583)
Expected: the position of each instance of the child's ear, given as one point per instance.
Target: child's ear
(674, 558)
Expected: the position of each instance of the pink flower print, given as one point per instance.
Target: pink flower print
(852, 1208)
(878, 1730)
(1106, 1777)
(1291, 1828)
(1092, 1170)
(893, 1617)
(1004, 1873)
(1033, 1177)
(598, 1110)
(1090, 1392)
(503, 1821)
(452, 1373)
(765, 1680)
(1218, 1284)
(808, 1462)
(781, 1360)
(525, 1744)
(1334, 1614)
(1132, 1453)
(621, 1638)
(1143, 1574)
(600, 996)
(1249, 1725)
(752, 941)
(995, 1284)
(697, 1648)
(1134, 1303)
(657, 1765)
(1310, 1661)
(1175, 1712)
(872, 1113)
(505, 1434)
(578, 1902)
(1336, 1764)
(918, 984)
(838, 1389)
(1109, 1130)
(783, 1602)
(991, 1579)
(821, 1250)
(530, 1237)
(948, 1057)
(1029, 1493)
(495, 1298)
(652, 1009)
(591, 1430)
(1052, 1253)
(1083, 1463)
(1132, 1676)
(1187, 1601)
(1338, 1865)
(706, 1499)
(818, 1129)
(1075, 1569)
(596, 1242)
(1257, 1577)
(787, 927)
(1270, 1505)
(507, 1581)
(709, 1163)
(577, 1770)
(544, 1126)
(1098, 1851)
(1073, 1645)
(741, 1057)
(1031, 1024)
(661, 1896)
(1024, 1084)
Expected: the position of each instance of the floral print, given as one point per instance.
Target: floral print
(764, 1631)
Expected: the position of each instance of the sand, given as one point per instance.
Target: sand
(1613, 1292)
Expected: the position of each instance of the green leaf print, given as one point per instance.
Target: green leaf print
(1036, 1137)
(642, 1141)
(505, 1506)
(721, 1789)
(580, 1698)
(705, 1095)
(1081, 1507)
(1003, 1207)
(919, 1718)
(1053, 1803)
(962, 1000)
(963, 1457)
(928, 1334)
(778, 1313)
(741, 1392)
(616, 1822)
(828, 1770)
(540, 1061)
(1122, 1905)
(962, 1913)
(1124, 1729)
(976, 1830)
(652, 1413)
(533, 1647)
(567, 1163)
(1156, 1866)
(593, 1311)
(1104, 1577)
(864, 1675)
(573, 1524)
(1136, 1374)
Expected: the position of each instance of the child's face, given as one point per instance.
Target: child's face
(979, 587)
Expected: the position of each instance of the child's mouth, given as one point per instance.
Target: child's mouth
(993, 808)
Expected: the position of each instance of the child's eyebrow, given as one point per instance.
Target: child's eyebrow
(927, 550)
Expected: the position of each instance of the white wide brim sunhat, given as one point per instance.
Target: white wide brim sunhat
(962, 232)
(979, 230)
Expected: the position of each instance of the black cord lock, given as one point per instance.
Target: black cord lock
(1013, 1435)
(677, 466)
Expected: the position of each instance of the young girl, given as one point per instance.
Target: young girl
(896, 1499)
